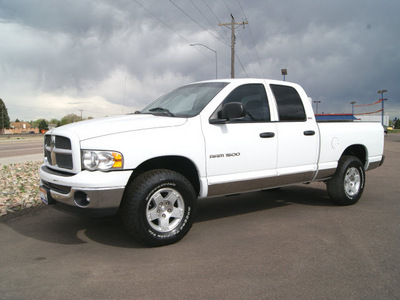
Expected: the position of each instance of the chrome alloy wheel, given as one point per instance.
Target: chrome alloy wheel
(352, 182)
(165, 210)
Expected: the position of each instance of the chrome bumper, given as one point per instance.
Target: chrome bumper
(98, 198)
(84, 191)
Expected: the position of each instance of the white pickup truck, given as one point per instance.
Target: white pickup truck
(205, 139)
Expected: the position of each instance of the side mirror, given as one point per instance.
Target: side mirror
(232, 110)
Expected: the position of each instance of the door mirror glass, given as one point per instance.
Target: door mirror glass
(233, 110)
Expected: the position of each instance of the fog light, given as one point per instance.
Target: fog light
(81, 199)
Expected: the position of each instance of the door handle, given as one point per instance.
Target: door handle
(309, 132)
(267, 135)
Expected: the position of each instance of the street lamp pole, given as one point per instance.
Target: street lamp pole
(316, 101)
(216, 57)
(383, 100)
(352, 106)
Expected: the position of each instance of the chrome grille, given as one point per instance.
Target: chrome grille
(58, 151)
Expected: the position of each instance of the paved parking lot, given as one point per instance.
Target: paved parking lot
(287, 244)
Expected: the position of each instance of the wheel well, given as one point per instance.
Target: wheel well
(178, 164)
(358, 151)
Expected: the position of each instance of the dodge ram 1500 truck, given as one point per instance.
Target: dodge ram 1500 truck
(205, 139)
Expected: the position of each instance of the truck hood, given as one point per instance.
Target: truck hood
(106, 126)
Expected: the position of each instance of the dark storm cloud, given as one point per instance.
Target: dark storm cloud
(339, 51)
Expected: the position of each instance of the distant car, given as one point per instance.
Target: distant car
(31, 132)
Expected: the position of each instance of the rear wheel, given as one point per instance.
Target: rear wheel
(347, 184)
(158, 207)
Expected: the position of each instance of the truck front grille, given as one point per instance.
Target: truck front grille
(58, 151)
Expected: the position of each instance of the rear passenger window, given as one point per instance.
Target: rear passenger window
(290, 106)
(254, 99)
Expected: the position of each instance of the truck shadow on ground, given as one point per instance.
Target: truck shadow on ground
(49, 225)
(228, 206)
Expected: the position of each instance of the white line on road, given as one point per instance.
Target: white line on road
(38, 148)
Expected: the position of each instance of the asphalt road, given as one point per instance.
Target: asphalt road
(12, 151)
(287, 244)
(21, 147)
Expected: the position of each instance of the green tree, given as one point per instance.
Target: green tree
(54, 121)
(4, 118)
(17, 120)
(397, 124)
(70, 118)
(43, 125)
(35, 123)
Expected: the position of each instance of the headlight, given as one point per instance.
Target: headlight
(101, 160)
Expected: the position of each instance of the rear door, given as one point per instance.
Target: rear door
(297, 136)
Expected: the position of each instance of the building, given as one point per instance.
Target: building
(351, 117)
(335, 117)
(369, 118)
(21, 127)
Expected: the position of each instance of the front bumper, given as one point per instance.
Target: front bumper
(87, 193)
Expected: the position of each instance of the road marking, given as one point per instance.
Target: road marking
(28, 149)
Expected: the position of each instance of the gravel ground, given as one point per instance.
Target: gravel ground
(19, 187)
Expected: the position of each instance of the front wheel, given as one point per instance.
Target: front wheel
(347, 184)
(158, 207)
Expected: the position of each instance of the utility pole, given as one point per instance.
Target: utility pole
(81, 110)
(233, 25)
(2, 112)
(2, 120)
(383, 107)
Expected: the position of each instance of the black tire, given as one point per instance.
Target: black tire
(158, 207)
(347, 184)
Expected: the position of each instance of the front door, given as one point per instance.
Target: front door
(242, 154)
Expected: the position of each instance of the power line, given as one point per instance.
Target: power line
(247, 51)
(233, 25)
(190, 17)
(212, 12)
(169, 27)
(209, 22)
(165, 24)
(251, 35)
(216, 17)
(227, 7)
(242, 65)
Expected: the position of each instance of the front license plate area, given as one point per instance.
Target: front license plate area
(44, 195)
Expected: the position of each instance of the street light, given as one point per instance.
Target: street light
(284, 73)
(316, 101)
(352, 106)
(383, 100)
(216, 58)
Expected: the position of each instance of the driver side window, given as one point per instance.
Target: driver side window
(254, 99)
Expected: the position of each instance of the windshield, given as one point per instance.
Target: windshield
(186, 101)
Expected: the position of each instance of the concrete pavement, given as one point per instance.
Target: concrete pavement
(20, 159)
(16, 149)
(287, 244)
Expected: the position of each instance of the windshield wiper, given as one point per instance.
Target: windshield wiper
(163, 110)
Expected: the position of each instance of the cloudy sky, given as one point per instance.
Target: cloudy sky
(103, 58)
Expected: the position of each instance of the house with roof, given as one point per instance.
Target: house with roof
(21, 127)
